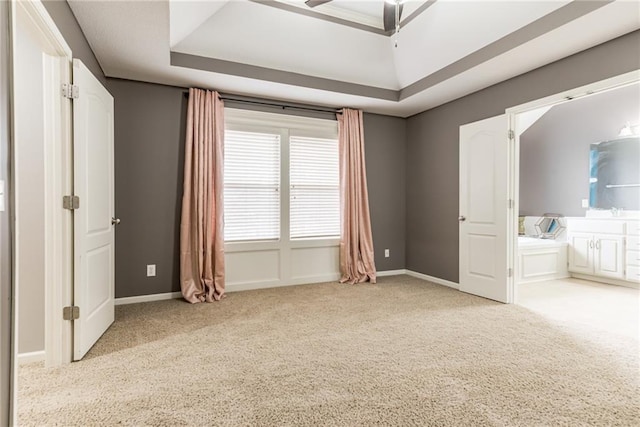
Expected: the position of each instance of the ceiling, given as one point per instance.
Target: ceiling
(608, 112)
(338, 54)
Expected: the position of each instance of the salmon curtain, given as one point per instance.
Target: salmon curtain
(356, 242)
(201, 225)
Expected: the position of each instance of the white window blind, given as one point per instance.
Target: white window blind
(251, 186)
(315, 191)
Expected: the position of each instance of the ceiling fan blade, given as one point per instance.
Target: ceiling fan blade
(389, 16)
(314, 3)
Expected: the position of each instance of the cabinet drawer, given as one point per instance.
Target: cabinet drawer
(633, 258)
(596, 226)
(633, 273)
(633, 228)
(633, 243)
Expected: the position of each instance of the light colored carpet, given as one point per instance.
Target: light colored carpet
(605, 313)
(402, 352)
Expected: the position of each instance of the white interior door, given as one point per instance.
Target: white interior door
(94, 276)
(484, 151)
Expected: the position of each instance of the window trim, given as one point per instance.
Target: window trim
(285, 126)
(234, 116)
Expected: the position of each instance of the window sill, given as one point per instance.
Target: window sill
(314, 242)
(260, 245)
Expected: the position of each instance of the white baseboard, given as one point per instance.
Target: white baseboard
(302, 281)
(148, 298)
(417, 275)
(606, 280)
(391, 272)
(34, 356)
(266, 285)
(432, 279)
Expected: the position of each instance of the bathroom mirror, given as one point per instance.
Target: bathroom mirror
(614, 174)
(549, 226)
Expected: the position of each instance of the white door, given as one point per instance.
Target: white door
(609, 256)
(93, 229)
(484, 150)
(581, 253)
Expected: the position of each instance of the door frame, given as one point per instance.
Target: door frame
(58, 238)
(7, 291)
(514, 158)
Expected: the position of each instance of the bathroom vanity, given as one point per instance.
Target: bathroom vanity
(605, 249)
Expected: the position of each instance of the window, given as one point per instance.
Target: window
(251, 186)
(281, 179)
(315, 189)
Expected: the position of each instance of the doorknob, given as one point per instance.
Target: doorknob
(115, 221)
(462, 218)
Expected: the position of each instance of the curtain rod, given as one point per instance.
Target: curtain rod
(283, 106)
(278, 105)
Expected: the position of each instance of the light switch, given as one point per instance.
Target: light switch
(386, 253)
(585, 203)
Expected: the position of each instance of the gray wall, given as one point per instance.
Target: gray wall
(433, 146)
(5, 223)
(149, 145)
(149, 157)
(554, 151)
(66, 22)
(385, 154)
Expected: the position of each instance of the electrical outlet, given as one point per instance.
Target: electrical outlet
(386, 253)
(151, 270)
(585, 203)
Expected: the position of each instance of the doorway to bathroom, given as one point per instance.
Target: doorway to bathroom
(577, 202)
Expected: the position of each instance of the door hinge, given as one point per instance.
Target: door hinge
(511, 203)
(510, 272)
(70, 91)
(512, 134)
(71, 202)
(71, 313)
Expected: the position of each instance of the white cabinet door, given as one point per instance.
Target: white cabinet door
(609, 256)
(483, 208)
(581, 248)
(93, 230)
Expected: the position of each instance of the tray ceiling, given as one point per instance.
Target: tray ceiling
(337, 54)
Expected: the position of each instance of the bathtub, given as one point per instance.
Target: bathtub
(540, 259)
